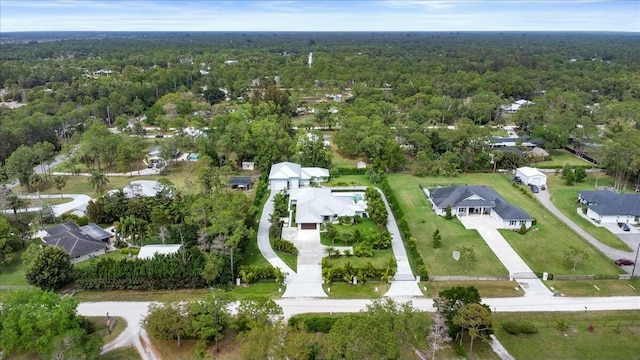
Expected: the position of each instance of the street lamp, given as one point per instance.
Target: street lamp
(635, 262)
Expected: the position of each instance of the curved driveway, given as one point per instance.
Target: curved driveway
(545, 199)
(80, 201)
(263, 240)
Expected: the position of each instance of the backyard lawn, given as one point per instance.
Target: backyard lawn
(13, 273)
(615, 335)
(564, 198)
(560, 158)
(542, 249)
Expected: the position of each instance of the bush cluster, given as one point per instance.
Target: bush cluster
(347, 271)
(284, 246)
(347, 171)
(253, 273)
(313, 323)
(132, 251)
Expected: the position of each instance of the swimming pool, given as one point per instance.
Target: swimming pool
(193, 157)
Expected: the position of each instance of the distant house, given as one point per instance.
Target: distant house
(154, 154)
(314, 206)
(524, 140)
(478, 201)
(361, 165)
(242, 183)
(150, 251)
(146, 188)
(511, 149)
(538, 152)
(288, 175)
(514, 107)
(531, 176)
(605, 206)
(80, 242)
(247, 165)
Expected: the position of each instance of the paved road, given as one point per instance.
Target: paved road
(80, 201)
(545, 199)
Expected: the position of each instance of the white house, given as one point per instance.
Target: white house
(288, 175)
(605, 206)
(150, 251)
(478, 201)
(532, 176)
(314, 206)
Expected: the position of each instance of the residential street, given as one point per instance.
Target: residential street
(545, 198)
(134, 312)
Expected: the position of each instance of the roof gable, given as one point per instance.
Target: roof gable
(469, 196)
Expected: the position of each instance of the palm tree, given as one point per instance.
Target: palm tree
(98, 181)
(34, 181)
(15, 202)
(60, 182)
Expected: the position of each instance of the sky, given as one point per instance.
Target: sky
(320, 15)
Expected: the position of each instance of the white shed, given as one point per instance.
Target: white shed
(532, 176)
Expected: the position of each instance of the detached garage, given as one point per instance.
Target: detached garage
(531, 176)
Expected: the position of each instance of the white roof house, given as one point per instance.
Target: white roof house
(317, 205)
(288, 175)
(150, 251)
(146, 188)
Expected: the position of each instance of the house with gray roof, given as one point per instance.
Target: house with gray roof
(80, 242)
(314, 206)
(288, 175)
(478, 201)
(606, 206)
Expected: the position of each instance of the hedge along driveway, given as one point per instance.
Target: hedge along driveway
(543, 250)
(423, 223)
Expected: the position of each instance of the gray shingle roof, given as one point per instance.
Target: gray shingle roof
(477, 196)
(605, 202)
(73, 240)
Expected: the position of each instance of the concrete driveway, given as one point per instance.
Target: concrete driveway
(79, 202)
(307, 281)
(518, 269)
(545, 199)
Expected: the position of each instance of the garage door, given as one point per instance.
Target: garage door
(308, 226)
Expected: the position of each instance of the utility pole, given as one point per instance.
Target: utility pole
(633, 271)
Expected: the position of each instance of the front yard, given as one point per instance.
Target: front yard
(542, 249)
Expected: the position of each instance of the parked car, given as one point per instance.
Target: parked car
(624, 226)
(534, 188)
(624, 262)
(517, 180)
(543, 187)
(150, 166)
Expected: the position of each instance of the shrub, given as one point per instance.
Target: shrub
(284, 246)
(132, 251)
(363, 249)
(314, 323)
(527, 327)
(562, 325)
(512, 327)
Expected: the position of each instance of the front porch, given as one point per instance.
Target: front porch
(474, 211)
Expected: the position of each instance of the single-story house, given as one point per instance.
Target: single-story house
(532, 176)
(524, 140)
(150, 251)
(515, 106)
(288, 175)
(80, 242)
(538, 151)
(314, 206)
(478, 201)
(147, 188)
(242, 183)
(606, 206)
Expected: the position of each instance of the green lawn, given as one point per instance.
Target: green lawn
(616, 335)
(350, 180)
(113, 255)
(366, 227)
(604, 287)
(361, 291)
(13, 274)
(423, 223)
(379, 259)
(542, 250)
(128, 353)
(561, 157)
(564, 198)
(487, 289)
(103, 331)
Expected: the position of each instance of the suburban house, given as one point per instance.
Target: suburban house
(524, 140)
(606, 206)
(515, 106)
(150, 251)
(478, 201)
(288, 175)
(532, 176)
(314, 206)
(80, 242)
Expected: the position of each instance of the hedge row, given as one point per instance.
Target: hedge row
(285, 246)
(348, 171)
(253, 273)
(409, 241)
(132, 251)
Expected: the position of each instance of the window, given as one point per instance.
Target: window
(523, 222)
(512, 223)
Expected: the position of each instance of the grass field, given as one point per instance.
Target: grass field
(350, 180)
(361, 291)
(564, 198)
(561, 157)
(596, 287)
(542, 250)
(487, 289)
(616, 335)
(13, 273)
(128, 353)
